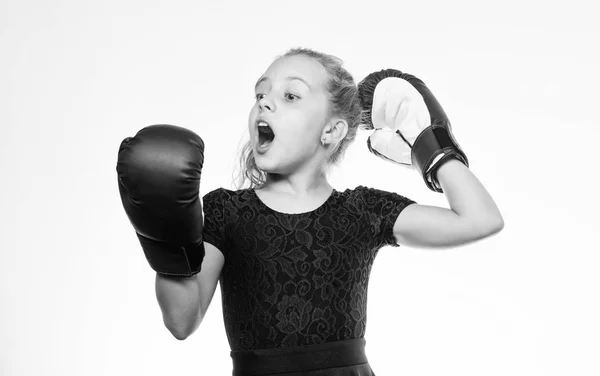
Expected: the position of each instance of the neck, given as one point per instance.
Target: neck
(298, 184)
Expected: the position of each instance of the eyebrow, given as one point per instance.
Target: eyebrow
(289, 78)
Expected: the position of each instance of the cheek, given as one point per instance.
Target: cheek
(298, 132)
(301, 138)
(251, 118)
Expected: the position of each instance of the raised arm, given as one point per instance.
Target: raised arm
(473, 214)
(412, 129)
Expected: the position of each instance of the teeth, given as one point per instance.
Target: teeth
(262, 124)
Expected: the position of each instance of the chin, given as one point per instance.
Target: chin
(263, 163)
(269, 166)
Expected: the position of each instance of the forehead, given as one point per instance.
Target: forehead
(299, 66)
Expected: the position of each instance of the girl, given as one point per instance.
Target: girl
(293, 255)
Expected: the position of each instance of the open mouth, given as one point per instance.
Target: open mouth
(265, 134)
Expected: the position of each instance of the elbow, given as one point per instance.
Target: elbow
(182, 331)
(180, 335)
(497, 224)
(481, 228)
(493, 226)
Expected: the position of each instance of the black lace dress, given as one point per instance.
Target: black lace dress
(294, 286)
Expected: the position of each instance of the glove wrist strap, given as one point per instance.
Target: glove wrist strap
(432, 148)
(172, 259)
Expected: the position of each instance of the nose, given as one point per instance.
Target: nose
(265, 104)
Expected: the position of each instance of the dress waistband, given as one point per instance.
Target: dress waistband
(297, 359)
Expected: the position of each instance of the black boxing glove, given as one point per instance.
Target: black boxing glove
(159, 182)
(411, 128)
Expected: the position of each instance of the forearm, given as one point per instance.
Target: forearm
(179, 301)
(467, 196)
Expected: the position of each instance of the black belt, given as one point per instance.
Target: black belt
(297, 359)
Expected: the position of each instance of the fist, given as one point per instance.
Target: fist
(411, 128)
(398, 116)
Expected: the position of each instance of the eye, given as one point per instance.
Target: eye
(292, 96)
(258, 96)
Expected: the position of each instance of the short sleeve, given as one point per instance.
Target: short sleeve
(382, 209)
(214, 218)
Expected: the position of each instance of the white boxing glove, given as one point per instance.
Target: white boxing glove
(411, 128)
(399, 115)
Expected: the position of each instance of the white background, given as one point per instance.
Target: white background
(518, 79)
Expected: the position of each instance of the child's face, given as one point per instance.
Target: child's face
(291, 98)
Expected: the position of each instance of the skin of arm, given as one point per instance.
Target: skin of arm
(184, 301)
(472, 216)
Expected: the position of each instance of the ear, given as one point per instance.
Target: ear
(335, 130)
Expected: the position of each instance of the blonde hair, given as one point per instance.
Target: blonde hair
(344, 102)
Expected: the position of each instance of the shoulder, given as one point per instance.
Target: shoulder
(370, 194)
(358, 191)
(376, 202)
(220, 207)
(221, 194)
(228, 202)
